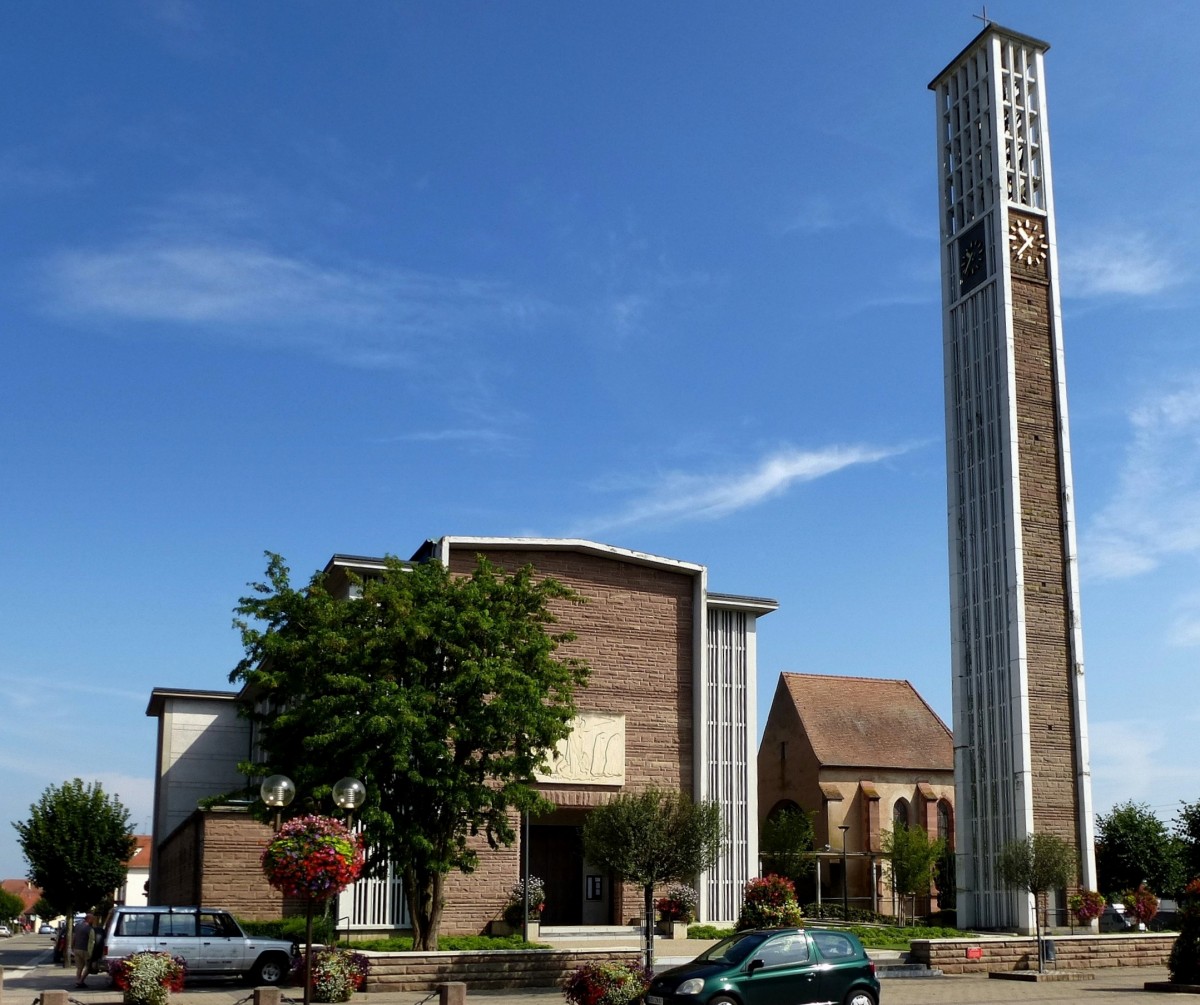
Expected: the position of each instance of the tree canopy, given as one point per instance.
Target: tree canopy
(11, 906)
(1187, 833)
(653, 837)
(785, 843)
(1039, 863)
(912, 859)
(442, 693)
(1133, 846)
(77, 840)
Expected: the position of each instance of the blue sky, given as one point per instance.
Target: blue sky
(322, 278)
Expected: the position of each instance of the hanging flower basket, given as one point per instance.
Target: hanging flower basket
(313, 857)
(146, 978)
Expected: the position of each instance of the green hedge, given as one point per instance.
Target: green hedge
(292, 929)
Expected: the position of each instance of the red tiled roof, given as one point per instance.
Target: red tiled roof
(24, 889)
(869, 722)
(142, 853)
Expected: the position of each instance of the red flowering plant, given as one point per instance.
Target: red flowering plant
(1141, 903)
(1086, 905)
(679, 904)
(148, 976)
(336, 974)
(313, 857)
(613, 982)
(769, 902)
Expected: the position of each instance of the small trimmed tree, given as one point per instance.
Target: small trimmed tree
(77, 840)
(912, 861)
(653, 837)
(11, 906)
(785, 844)
(1039, 863)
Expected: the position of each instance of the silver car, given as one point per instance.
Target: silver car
(209, 940)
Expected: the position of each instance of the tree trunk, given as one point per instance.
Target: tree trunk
(423, 892)
(648, 918)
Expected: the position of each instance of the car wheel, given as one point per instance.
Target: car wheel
(269, 970)
(722, 1000)
(859, 997)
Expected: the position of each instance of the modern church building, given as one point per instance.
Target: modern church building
(670, 703)
(1020, 723)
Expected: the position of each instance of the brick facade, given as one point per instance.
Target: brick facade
(639, 630)
(1047, 620)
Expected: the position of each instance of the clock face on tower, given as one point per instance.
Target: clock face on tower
(971, 258)
(1027, 241)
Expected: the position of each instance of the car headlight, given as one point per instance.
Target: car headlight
(691, 987)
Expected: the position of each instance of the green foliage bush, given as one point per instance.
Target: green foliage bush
(291, 928)
(1184, 962)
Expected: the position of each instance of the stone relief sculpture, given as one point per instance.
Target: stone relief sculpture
(594, 753)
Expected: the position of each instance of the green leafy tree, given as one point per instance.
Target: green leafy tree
(1040, 863)
(653, 837)
(442, 693)
(11, 906)
(1187, 833)
(1133, 847)
(785, 843)
(912, 861)
(77, 840)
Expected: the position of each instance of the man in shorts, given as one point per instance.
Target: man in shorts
(82, 940)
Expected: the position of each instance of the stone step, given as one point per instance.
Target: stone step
(896, 970)
(590, 932)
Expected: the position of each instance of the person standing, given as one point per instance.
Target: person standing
(83, 939)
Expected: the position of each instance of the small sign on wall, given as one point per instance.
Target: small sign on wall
(975, 952)
(595, 888)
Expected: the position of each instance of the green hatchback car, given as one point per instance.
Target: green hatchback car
(796, 966)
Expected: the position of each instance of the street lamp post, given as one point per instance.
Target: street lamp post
(845, 879)
(278, 791)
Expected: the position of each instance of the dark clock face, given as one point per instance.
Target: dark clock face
(1027, 241)
(971, 252)
(970, 260)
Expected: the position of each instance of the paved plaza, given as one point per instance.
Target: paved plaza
(1120, 984)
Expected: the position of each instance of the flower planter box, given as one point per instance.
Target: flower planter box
(672, 929)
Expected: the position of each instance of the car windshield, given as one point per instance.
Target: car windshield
(734, 949)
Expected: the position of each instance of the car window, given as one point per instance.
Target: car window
(834, 945)
(135, 924)
(177, 924)
(733, 949)
(784, 950)
(217, 924)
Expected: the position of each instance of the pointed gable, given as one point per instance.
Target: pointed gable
(869, 722)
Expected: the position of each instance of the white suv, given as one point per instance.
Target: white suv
(208, 939)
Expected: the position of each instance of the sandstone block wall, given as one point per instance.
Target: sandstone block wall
(1072, 952)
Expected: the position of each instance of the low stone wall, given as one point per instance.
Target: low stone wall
(1072, 952)
(482, 971)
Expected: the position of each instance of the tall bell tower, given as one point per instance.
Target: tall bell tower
(1020, 722)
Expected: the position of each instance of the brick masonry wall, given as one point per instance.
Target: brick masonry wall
(543, 968)
(1047, 620)
(635, 632)
(1072, 952)
(233, 878)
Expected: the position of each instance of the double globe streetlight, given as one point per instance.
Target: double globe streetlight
(278, 791)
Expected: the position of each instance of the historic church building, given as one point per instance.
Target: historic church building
(671, 701)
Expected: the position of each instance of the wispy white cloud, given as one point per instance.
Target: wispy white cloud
(817, 215)
(244, 291)
(1133, 759)
(680, 497)
(486, 437)
(1133, 265)
(1155, 511)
